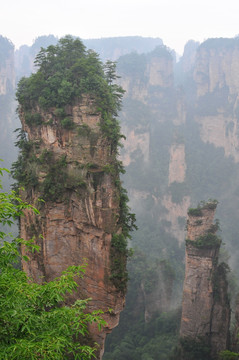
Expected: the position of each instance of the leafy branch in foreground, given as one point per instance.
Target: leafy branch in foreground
(35, 323)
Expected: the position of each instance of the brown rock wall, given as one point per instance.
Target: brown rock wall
(77, 228)
(197, 292)
(205, 305)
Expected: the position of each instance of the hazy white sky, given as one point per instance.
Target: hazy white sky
(175, 21)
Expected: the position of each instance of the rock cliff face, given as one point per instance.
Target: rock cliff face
(77, 224)
(69, 146)
(7, 68)
(177, 164)
(205, 305)
(8, 120)
(217, 66)
(154, 156)
(217, 88)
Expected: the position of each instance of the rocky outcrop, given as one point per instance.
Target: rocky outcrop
(205, 305)
(71, 167)
(177, 164)
(217, 90)
(7, 70)
(8, 120)
(175, 213)
(152, 72)
(135, 141)
(217, 66)
(189, 56)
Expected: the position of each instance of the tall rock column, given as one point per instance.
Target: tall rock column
(8, 121)
(69, 159)
(205, 305)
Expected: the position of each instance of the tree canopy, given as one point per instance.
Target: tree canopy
(66, 71)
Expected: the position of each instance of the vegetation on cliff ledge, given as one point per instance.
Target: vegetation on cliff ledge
(206, 241)
(67, 73)
(203, 205)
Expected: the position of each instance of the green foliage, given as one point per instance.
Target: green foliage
(24, 169)
(228, 355)
(206, 241)
(126, 219)
(118, 256)
(119, 251)
(60, 112)
(66, 72)
(34, 322)
(139, 340)
(67, 123)
(84, 130)
(110, 72)
(219, 277)
(126, 222)
(53, 186)
(195, 212)
(11, 206)
(211, 204)
(33, 118)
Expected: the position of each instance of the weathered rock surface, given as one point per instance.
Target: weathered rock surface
(217, 90)
(177, 164)
(77, 226)
(174, 213)
(205, 305)
(7, 70)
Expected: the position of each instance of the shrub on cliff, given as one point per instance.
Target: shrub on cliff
(34, 323)
(66, 71)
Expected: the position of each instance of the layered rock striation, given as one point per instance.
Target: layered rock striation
(205, 305)
(69, 159)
